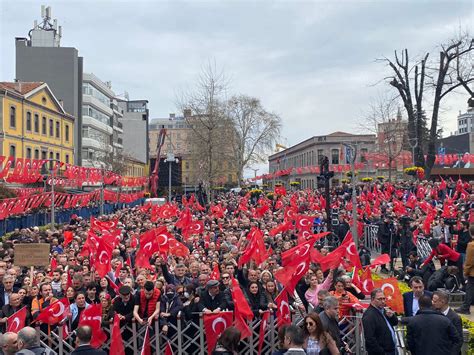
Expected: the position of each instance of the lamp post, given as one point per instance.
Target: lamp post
(53, 212)
(353, 150)
(170, 158)
(413, 142)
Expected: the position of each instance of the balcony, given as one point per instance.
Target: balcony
(90, 121)
(118, 126)
(96, 103)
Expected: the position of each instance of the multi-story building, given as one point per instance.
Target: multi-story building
(310, 151)
(466, 120)
(34, 124)
(41, 59)
(100, 122)
(134, 125)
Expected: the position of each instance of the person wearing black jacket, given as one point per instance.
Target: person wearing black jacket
(341, 229)
(378, 322)
(84, 336)
(170, 305)
(256, 299)
(416, 268)
(387, 239)
(463, 239)
(211, 300)
(430, 332)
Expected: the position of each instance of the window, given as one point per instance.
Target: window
(51, 128)
(28, 153)
(363, 154)
(67, 133)
(13, 153)
(36, 123)
(67, 158)
(51, 157)
(37, 154)
(58, 129)
(334, 156)
(12, 117)
(44, 154)
(320, 155)
(58, 156)
(186, 164)
(28, 121)
(43, 126)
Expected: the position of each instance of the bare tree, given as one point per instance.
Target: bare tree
(441, 77)
(208, 121)
(385, 120)
(256, 131)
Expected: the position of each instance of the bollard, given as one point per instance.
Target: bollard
(465, 345)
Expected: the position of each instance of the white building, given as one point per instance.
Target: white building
(101, 131)
(466, 121)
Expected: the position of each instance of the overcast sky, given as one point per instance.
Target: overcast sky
(312, 62)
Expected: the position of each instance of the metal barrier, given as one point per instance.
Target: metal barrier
(187, 337)
(371, 242)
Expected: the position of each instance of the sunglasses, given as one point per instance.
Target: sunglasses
(225, 277)
(311, 324)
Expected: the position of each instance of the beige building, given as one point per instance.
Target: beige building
(309, 152)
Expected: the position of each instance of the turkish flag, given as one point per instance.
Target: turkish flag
(350, 250)
(330, 261)
(290, 213)
(255, 249)
(304, 222)
(184, 219)
(283, 308)
(55, 312)
(279, 205)
(263, 328)
(240, 302)
(280, 190)
(168, 349)
(284, 227)
(102, 259)
(215, 274)
(381, 260)
(68, 235)
(103, 225)
(16, 321)
(292, 273)
(178, 249)
(259, 212)
(146, 349)
(214, 325)
(392, 292)
(302, 249)
(92, 316)
(116, 343)
(366, 282)
(217, 211)
(168, 211)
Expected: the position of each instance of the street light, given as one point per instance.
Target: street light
(170, 158)
(53, 215)
(353, 155)
(413, 142)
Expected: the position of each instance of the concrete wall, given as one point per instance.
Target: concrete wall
(135, 135)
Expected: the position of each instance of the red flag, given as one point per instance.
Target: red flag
(366, 282)
(92, 316)
(146, 349)
(168, 349)
(240, 302)
(214, 325)
(53, 265)
(103, 225)
(215, 274)
(217, 211)
(351, 251)
(284, 227)
(54, 313)
(263, 328)
(116, 343)
(68, 235)
(381, 260)
(104, 254)
(292, 273)
(392, 292)
(302, 249)
(16, 321)
(255, 249)
(280, 190)
(283, 308)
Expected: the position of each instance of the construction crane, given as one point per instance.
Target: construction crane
(154, 174)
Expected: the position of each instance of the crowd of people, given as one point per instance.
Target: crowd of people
(187, 285)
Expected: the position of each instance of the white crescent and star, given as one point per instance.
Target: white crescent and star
(349, 247)
(217, 321)
(16, 321)
(384, 286)
(61, 310)
(284, 304)
(103, 252)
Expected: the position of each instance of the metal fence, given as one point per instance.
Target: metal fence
(372, 243)
(188, 337)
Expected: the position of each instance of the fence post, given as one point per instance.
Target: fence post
(180, 340)
(251, 351)
(201, 333)
(465, 344)
(60, 340)
(358, 333)
(272, 334)
(134, 336)
(157, 336)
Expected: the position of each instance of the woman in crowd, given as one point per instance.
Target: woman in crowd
(104, 286)
(107, 311)
(271, 293)
(256, 299)
(318, 341)
(228, 343)
(77, 308)
(345, 298)
(311, 294)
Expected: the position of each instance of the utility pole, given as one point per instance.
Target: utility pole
(102, 191)
(53, 212)
(170, 158)
(353, 150)
(413, 142)
(326, 176)
(255, 174)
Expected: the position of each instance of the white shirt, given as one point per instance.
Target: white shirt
(445, 312)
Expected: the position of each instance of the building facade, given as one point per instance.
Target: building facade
(34, 124)
(466, 120)
(134, 124)
(310, 152)
(41, 59)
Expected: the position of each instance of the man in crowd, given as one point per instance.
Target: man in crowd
(440, 303)
(147, 304)
(212, 300)
(28, 343)
(294, 340)
(430, 332)
(416, 268)
(7, 289)
(378, 321)
(410, 299)
(469, 275)
(83, 340)
(9, 344)
(329, 320)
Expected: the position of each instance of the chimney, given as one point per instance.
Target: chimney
(187, 112)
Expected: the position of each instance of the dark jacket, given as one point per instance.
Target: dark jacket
(378, 338)
(124, 309)
(206, 301)
(463, 240)
(408, 302)
(257, 302)
(2, 295)
(172, 279)
(331, 326)
(431, 333)
(457, 322)
(170, 305)
(87, 349)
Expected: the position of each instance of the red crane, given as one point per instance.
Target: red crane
(154, 174)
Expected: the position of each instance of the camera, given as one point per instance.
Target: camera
(450, 221)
